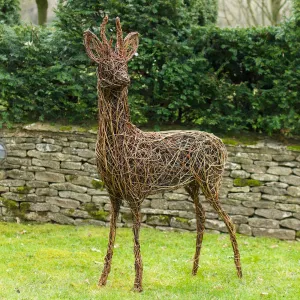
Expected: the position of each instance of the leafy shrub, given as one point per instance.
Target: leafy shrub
(9, 12)
(218, 79)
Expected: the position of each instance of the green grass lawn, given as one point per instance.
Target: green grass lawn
(64, 262)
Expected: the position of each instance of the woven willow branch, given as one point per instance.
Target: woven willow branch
(134, 164)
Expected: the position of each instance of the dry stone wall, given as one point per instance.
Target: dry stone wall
(50, 176)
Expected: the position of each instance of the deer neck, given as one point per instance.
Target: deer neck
(113, 107)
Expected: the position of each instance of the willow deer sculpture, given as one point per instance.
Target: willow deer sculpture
(134, 164)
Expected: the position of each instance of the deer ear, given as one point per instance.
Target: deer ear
(92, 45)
(131, 43)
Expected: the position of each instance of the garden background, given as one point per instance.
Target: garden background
(178, 76)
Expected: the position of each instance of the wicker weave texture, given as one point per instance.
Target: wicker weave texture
(134, 164)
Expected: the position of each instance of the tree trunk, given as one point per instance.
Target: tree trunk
(42, 6)
(275, 11)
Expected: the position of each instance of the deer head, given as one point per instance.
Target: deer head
(112, 62)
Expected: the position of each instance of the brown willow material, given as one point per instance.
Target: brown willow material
(134, 164)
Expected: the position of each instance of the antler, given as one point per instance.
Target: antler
(102, 30)
(120, 42)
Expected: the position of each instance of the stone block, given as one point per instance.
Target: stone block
(69, 150)
(146, 203)
(36, 217)
(33, 169)
(50, 177)
(296, 172)
(238, 219)
(260, 156)
(216, 225)
(294, 191)
(245, 196)
(100, 199)
(64, 203)
(71, 165)
(3, 189)
(53, 156)
(37, 184)
(80, 145)
(266, 163)
(94, 192)
(270, 190)
(60, 218)
(290, 164)
(232, 166)
(230, 201)
(181, 205)
(154, 211)
(274, 198)
(40, 207)
(2, 175)
(288, 207)
(182, 191)
(227, 182)
(254, 169)
(189, 215)
(239, 174)
(81, 180)
(238, 210)
(273, 213)
(18, 161)
(46, 192)
(279, 171)
(20, 146)
(18, 153)
(296, 215)
(283, 157)
(90, 168)
(17, 174)
(77, 196)
(292, 179)
(279, 185)
(240, 189)
(263, 223)
(291, 223)
(159, 203)
(265, 177)
(175, 196)
(259, 204)
(240, 160)
(245, 229)
(160, 220)
(283, 234)
(48, 148)
(11, 182)
(46, 163)
(86, 153)
(182, 223)
(20, 197)
(75, 213)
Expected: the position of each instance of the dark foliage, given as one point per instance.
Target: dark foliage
(217, 79)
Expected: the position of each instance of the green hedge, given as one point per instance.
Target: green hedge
(217, 79)
(9, 12)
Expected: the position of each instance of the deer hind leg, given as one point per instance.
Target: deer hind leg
(210, 191)
(136, 217)
(193, 190)
(115, 208)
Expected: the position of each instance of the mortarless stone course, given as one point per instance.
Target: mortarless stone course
(51, 176)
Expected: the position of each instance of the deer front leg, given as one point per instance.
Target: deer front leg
(115, 208)
(137, 252)
(193, 190)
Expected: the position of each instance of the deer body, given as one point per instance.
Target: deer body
(134, 164)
